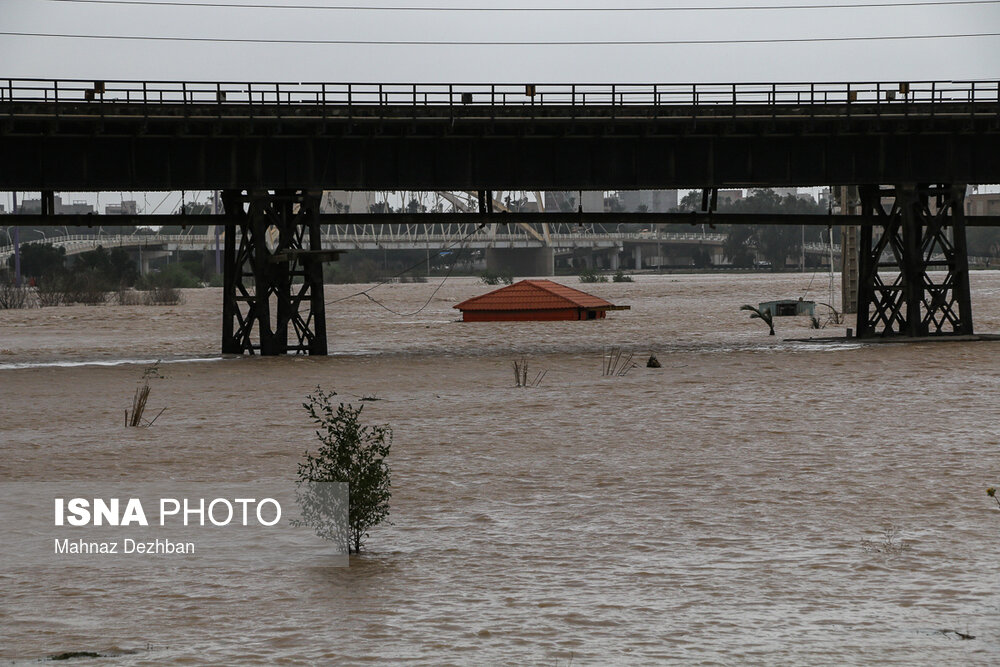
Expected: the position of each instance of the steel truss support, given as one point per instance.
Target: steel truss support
(902, 253)
(273, 274)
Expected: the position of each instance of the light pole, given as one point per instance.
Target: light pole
(17, 255)
(218, 249)
(17, 242)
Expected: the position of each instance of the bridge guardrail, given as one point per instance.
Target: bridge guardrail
(85, 242)
(892, 95)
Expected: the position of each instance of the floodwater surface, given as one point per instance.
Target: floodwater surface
(710, 511)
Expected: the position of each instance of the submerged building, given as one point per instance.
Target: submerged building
(541, 300)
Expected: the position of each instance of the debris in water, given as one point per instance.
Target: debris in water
(617, 362)
(521, 374)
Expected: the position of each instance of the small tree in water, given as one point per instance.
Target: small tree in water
(350, 452)
(763, 315)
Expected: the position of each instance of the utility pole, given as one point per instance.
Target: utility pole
(802, 249)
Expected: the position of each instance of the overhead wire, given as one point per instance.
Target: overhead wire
(445, 8)
(365, 292)
(408, 42)
(429, 299)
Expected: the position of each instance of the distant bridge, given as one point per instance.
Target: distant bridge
(405, 237)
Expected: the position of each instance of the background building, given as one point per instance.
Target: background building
(570, 200)
(127, 207)
(34, 207)
(983, 204)
(649, 201)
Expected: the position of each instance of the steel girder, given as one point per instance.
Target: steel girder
(902, 252)
(273, 275)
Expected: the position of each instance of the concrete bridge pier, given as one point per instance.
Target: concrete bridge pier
(923, 232)
(521, 261)
(144, 257)
(637, 255)
(614, 259)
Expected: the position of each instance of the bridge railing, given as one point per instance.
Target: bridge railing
(436, 94)
(442, 238)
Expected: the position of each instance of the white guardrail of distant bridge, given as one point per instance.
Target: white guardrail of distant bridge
(392, 240)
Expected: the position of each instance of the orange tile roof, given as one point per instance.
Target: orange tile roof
(534, 295)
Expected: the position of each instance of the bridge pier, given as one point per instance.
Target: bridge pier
(613, 258)
(906, 300)
(273, 273)
(144, 257)
(522, 261)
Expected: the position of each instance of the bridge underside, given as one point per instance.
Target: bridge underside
(115, 146)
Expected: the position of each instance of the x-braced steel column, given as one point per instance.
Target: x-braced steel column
(273, 274)
(898, 250)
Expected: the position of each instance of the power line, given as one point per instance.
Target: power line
(406, 42)
(448, 247)
(858, 5)
(437, 289)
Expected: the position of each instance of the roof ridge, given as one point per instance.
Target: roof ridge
(543, 288)
(553, 292)
(490, 293)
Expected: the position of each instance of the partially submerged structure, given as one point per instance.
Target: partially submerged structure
(535, 300)
(788, 307)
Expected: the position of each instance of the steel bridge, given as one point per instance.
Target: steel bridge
(273, 147)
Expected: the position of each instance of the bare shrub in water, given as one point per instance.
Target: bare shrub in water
(521, 374)
(891, 544)
(13, 297)
(50, 292)
(164, 296)
(350, 452)
(129, 297)
(156, 296)
(617, 362)
(133, 417)
(88, 288)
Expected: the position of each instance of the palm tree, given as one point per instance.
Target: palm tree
(764, 315)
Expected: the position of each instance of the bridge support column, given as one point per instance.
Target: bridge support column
(613, 255)
(637, 253)
(521, 261)
(273, 274)
(900, 298)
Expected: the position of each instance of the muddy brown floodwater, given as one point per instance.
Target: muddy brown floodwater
(711, 511)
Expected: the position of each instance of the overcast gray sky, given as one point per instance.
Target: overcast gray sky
(60, 57)
(896, 60)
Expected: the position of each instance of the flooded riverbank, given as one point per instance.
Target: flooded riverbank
(709, 511)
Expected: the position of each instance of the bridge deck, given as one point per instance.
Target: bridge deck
(197, 136)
